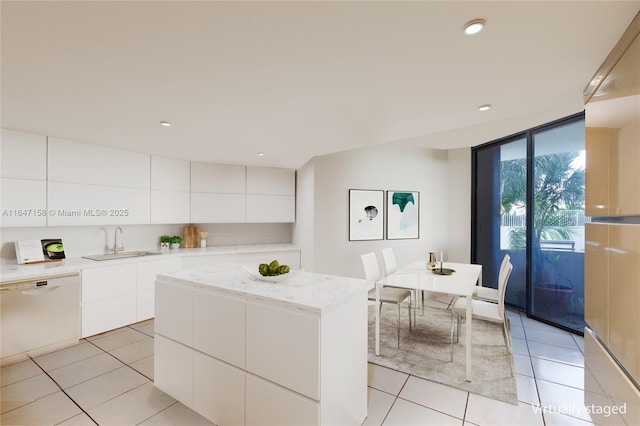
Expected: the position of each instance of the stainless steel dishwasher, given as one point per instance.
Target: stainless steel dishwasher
(39, 315)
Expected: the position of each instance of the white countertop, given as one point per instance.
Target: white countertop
(306, 290)
(15, 272)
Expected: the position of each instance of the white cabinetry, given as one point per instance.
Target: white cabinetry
(179, 300)
(270, 195)
(96, 185)
(236, 194)
(267, 404)
(256, 360)
(218, 390)
(117, 295)
(219, 318)
(23, 174)
(177, 361)
(217, 193)
(170, 185)
(146, 279)
(273, 354)
(108, 298)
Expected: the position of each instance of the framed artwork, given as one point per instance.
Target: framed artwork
(403, 215)
(366, 214)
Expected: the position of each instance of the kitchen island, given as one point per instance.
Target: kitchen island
(239, 350)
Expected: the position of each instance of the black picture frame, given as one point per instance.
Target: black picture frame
(366, 214)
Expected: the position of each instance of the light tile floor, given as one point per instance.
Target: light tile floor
(108, 380)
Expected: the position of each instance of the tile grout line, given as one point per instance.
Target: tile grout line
(124, 364)
(63, 391)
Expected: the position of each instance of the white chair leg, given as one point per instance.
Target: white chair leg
(507, 341)
(507, 335)
(398, 325)
(410, 316)
(452, 331)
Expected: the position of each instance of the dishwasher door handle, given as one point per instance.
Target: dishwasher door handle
(40, 291)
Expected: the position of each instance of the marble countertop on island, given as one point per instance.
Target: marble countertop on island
(303, 290)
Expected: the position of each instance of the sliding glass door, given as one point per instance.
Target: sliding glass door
(528, 202)
(557, 238)
(500, 214)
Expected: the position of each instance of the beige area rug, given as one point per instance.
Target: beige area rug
(425, 352)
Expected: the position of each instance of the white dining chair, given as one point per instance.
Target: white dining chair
(391, 266)
(387, 294)
(486, 311)
(491, 294)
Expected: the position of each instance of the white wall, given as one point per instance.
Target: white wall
(386, 167)
(303, 229)
(459, 208)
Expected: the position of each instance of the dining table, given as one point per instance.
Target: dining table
(460, 281)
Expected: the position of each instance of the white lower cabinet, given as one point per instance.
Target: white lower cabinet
(146, 279)
(219, 326)
(176, 305)
(283, 346)
(271, 405)
(176, 362)
(117, 295)
(108, 314)
(218, 390)
(257, 361)
(109, 298)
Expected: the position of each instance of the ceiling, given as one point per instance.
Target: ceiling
(295, 80)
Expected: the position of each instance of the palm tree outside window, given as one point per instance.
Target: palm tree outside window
(534, 182)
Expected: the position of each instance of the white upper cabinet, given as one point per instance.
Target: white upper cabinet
(271, 181)
(23, 174)
(23, 202)
(170, 184)
(271, 195)
(218, 178)
(218, 193)
(271, 208)
(226, 193)
(97, 185)
(48, 181)
(218, 208)
(24, 156)
(76, 162)
(170, 174)
(74, 204)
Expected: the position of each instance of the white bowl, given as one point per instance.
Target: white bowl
(271, 279)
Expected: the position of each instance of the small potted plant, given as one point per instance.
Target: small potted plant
(175, 242)
(165, 241)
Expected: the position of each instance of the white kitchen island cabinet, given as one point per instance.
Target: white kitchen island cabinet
(261, 353)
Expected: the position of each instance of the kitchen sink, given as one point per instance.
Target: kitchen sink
(121, 255)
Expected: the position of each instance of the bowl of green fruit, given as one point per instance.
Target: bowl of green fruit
(272, 272)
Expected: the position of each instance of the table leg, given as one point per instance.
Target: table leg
(377, 312)
(468, 338)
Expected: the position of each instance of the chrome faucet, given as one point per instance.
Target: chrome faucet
(117, 248)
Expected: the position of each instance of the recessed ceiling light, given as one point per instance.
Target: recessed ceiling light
(485, 107)
(260, 154)
(474, 27)
(165, 124)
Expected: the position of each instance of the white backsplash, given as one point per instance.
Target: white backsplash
(86, 240)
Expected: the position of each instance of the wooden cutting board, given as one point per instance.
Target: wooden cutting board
(191, 236)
